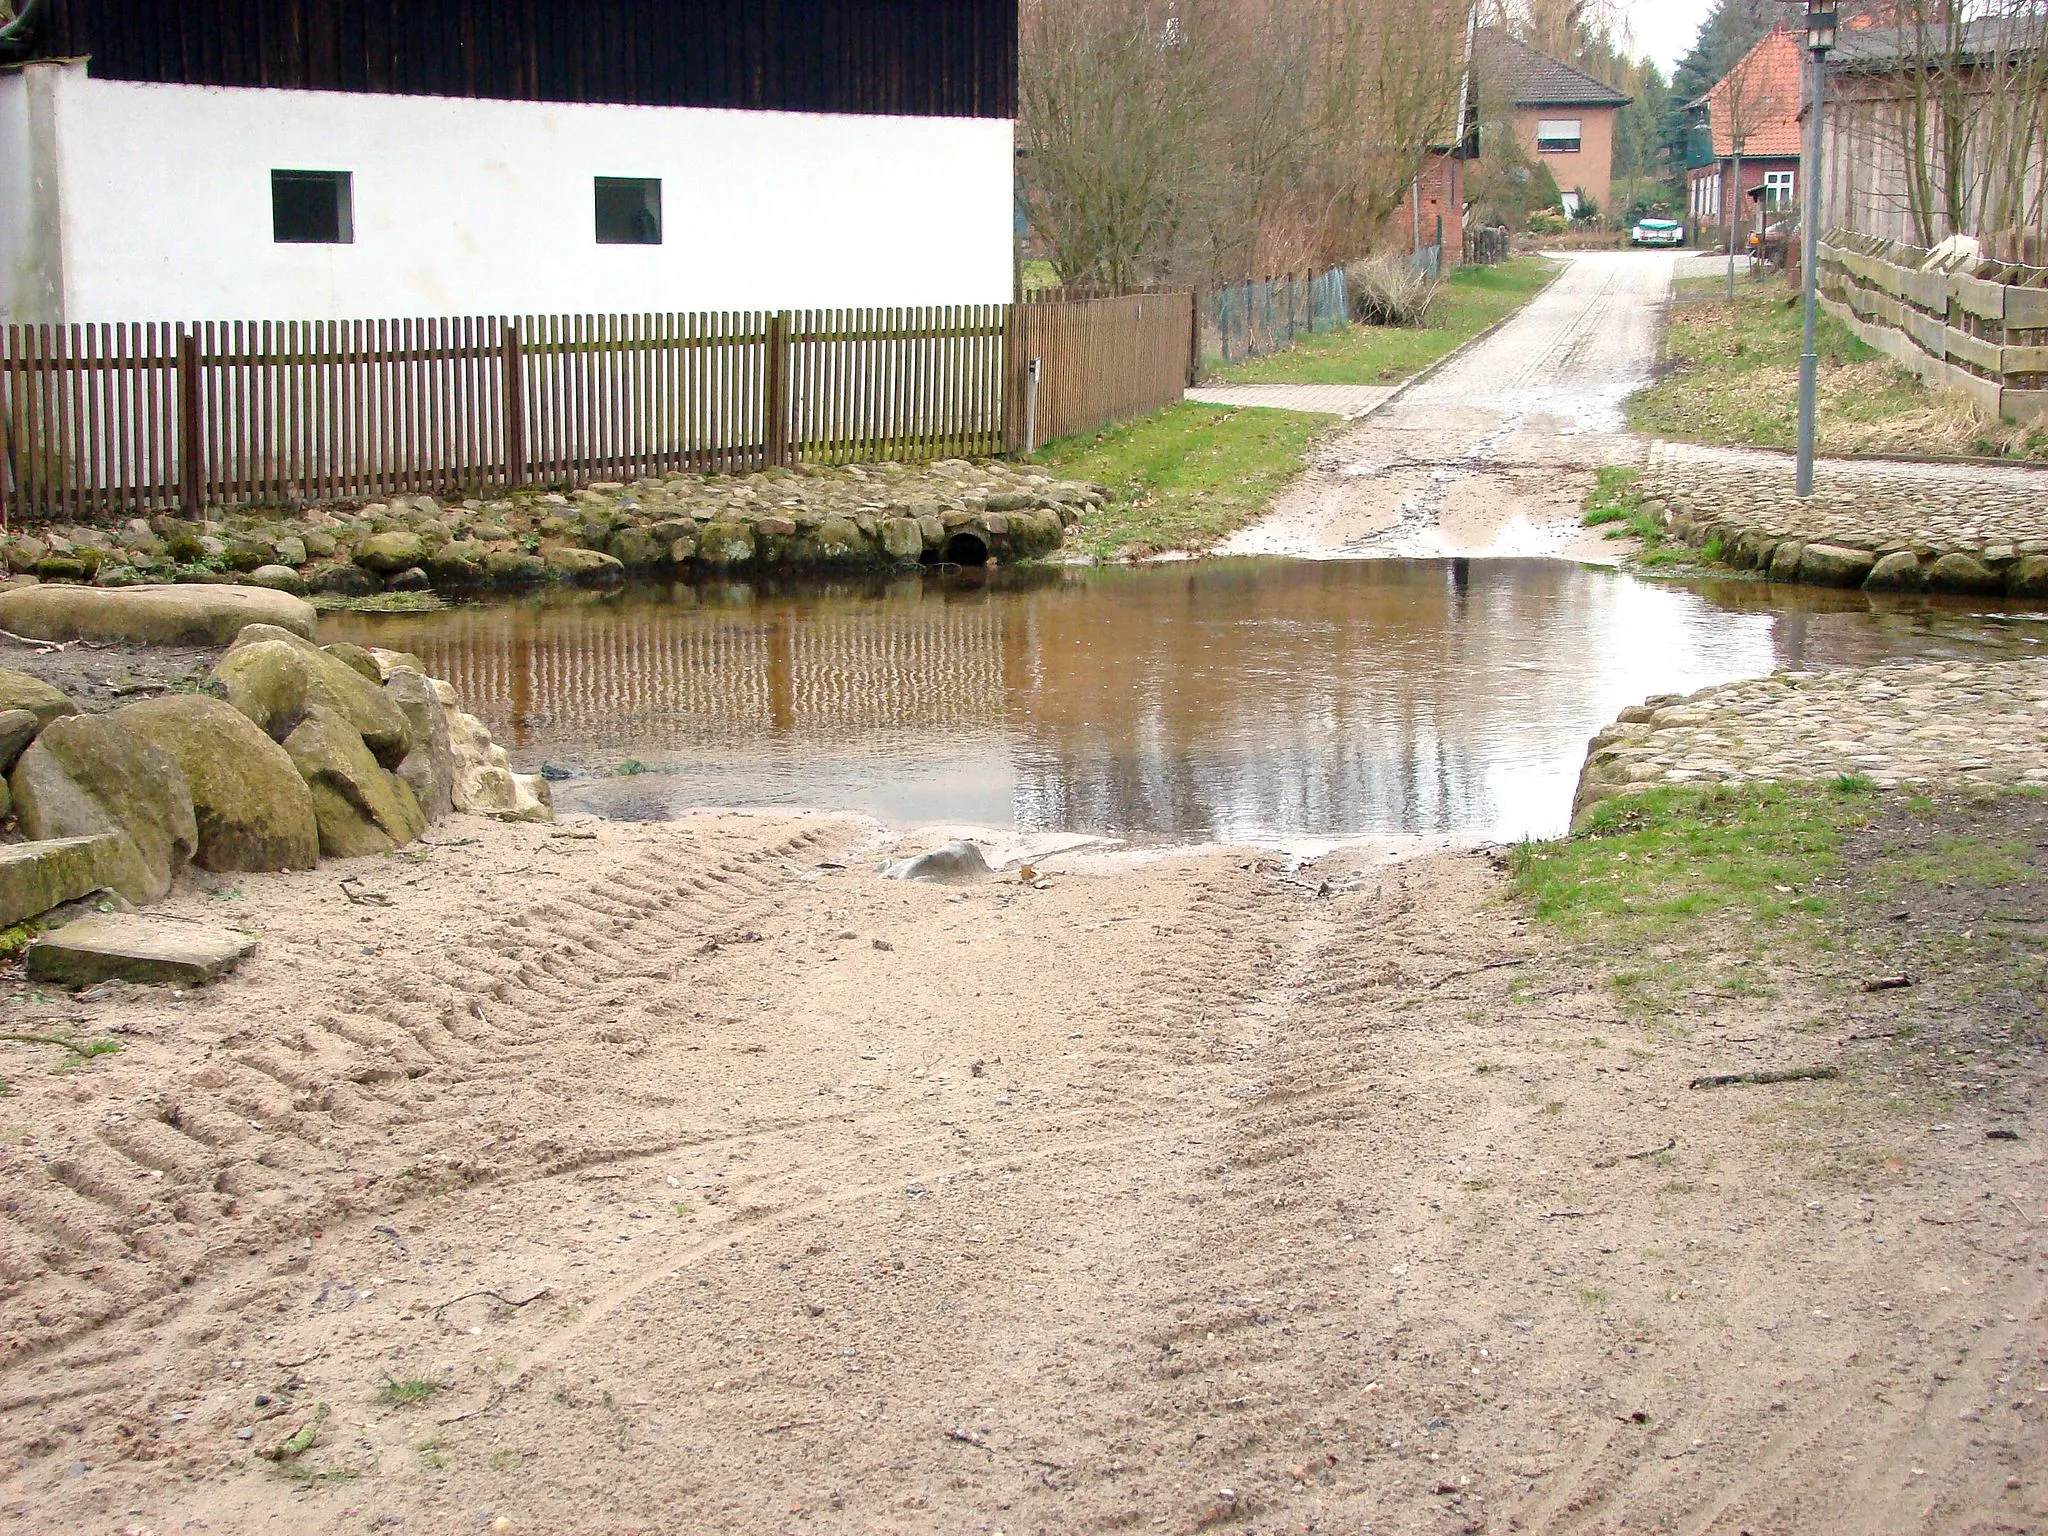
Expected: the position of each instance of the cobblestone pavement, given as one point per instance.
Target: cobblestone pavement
(1897, 722)
(1883, 525)
(1347, 400)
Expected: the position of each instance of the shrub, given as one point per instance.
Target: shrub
(1390, 290)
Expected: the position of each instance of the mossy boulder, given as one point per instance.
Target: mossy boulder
(20, 691)
(515, 568)
(584, 567)
(193, 613)
(2028, 576)
(1898, 571)
(722, 545)
(387, 553)
(252, 809)
(275, 690)
(1835, 565)
(359, 809)
(458, 563)
(92, 774)
(356, 659)
(1957, 572)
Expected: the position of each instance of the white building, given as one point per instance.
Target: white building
(339, 159)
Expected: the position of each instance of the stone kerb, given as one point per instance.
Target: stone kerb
(1897, 527)
(1895, 723)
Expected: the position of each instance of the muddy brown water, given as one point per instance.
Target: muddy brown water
(1239, 699)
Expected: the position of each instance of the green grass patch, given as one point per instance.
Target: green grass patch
(1471, 299)
(1651, 865)
(1184, 477)
(1732, 377)
(409, 1394)
(1615, 502)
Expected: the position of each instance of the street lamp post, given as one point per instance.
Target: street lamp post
(1820, 38)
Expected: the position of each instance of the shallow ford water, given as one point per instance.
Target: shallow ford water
(1221, 700)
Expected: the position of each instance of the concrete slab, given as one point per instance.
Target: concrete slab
(115, 947)
(35, 877)
(1347, 400)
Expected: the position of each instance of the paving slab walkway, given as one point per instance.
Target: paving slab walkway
(1347, 400)
(1894, 723)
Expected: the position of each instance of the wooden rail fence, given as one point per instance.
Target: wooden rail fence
(1981, 329)
(100, 421)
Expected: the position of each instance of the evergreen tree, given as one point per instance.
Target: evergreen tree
(1731, 29)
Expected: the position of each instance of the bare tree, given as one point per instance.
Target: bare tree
(1226, 138)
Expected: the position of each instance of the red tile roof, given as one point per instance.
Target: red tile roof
(1762, 95)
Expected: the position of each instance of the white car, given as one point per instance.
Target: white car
(1657, 232)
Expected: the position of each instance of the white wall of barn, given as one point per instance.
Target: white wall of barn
(488, 207)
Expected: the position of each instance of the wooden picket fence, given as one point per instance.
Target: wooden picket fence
(100, 421)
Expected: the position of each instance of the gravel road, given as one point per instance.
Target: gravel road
(1493, 454)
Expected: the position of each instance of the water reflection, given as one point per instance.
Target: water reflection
(1232, 699)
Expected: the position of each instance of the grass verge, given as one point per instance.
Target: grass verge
(1181, 478)
(1731, 376)
(1471, 299)
(1615, 502)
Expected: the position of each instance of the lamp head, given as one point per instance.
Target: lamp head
(1822, 19)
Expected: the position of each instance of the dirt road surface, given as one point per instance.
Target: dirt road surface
(691, 1178)
(1493, 454)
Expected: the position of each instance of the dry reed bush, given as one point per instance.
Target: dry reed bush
(1389, 290)
(1210, 140)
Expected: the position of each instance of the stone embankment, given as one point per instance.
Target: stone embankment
(1895, 723)
(295, 752)
(850, 518)
(1885, 527)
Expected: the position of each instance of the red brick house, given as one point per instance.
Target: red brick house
(1752, 114)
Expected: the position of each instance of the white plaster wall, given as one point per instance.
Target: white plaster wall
(486, 207)
(14, 195)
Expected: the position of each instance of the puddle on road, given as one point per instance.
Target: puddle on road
(1240, 699)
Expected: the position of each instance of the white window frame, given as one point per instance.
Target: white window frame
(1556, 130)
(1780, 187)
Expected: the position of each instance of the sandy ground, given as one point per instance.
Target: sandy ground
(1493, 454)
(719, 1185)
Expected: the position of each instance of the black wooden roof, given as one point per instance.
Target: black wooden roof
(950, 58)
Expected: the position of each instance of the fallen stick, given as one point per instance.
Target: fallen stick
(1886, 983)
(776, 1429)
(47, 1040)
(45, 646)
(1638, 1157)
(496, 1296)
(1789, 1075)
(1477, 970)
(966, 1439)
(299, 1441)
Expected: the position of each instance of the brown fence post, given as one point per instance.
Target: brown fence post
(1194, 338)
(191, 473)
(515, 406)
(775, 386)
(1013, 369)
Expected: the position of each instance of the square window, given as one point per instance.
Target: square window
(312, 208)
(629, 210)
(1558, 136)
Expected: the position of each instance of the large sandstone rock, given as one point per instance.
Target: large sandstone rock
(588, 567)
(429, 769)
(360, 809)
(114, 946)
(1955, 572)
(35, 877)
(484, 781)
(958, 863)
(275, 690)
(2028, 576)
(18, 728)
(387, 553)
(1835, 565)
(198, 613)
(253, 810)
(1898, 571)
(91, 774)
(20, 691)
